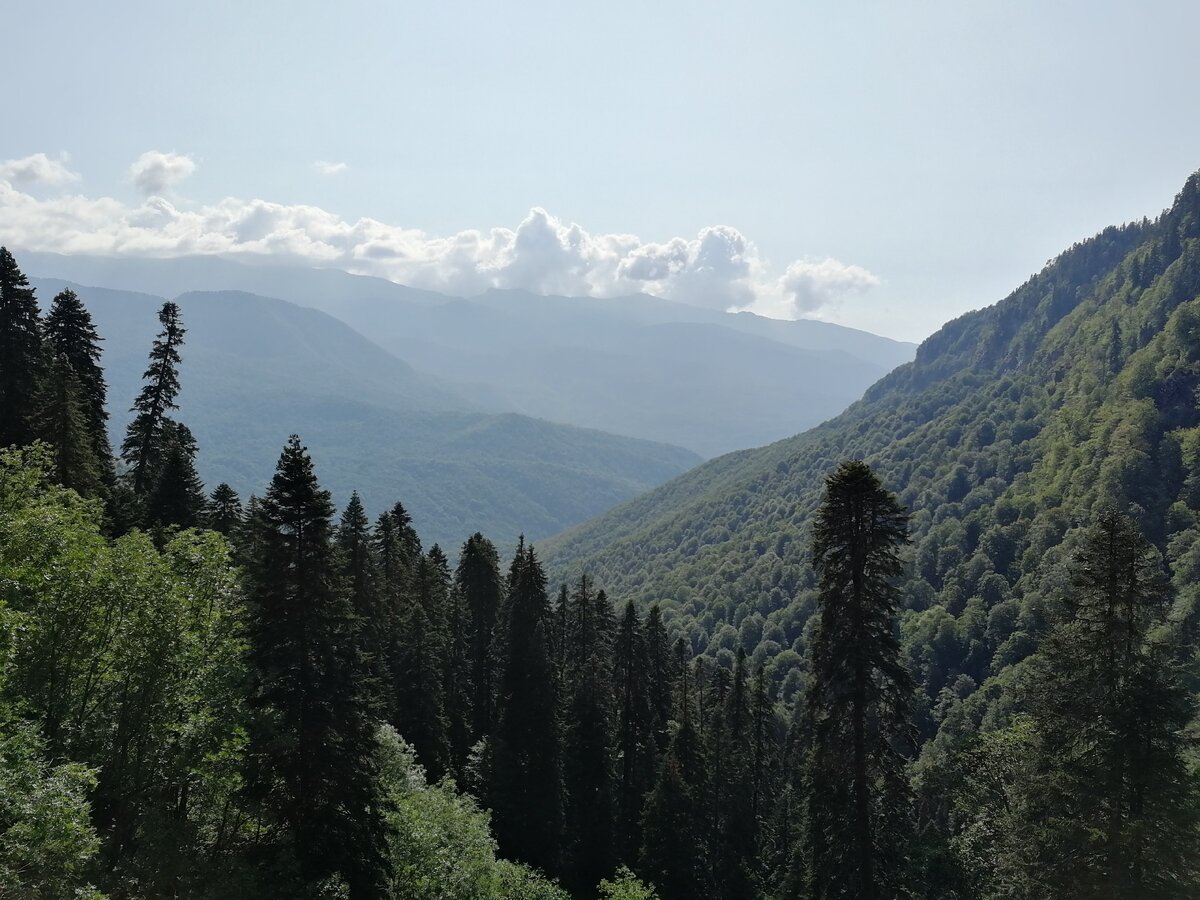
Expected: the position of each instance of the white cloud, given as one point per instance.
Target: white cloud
(154, 171)
(330, 168)
(37, 169)
(719, 268)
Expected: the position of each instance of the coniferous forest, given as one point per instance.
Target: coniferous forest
(941, 647)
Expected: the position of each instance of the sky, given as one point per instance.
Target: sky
(885, 165)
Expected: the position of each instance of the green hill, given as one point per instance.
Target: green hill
(257, 369)
(1003, 435)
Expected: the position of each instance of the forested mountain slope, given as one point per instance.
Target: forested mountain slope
(1013, 423)
(643, 366)
(256, 369)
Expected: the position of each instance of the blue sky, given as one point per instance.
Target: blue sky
(883, 164)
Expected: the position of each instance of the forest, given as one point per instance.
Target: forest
(940, 647)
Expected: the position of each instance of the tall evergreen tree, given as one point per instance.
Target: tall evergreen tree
(588, 735)
(61, 420)
(418, 673)
(22, 354)
(71, 333)
(636, 751)
(1115, 806)
(858, 699)
(357, 563)
(224, 513)
(662, 672)
(145, 439)
(478, 583)
(177, 495)
(312, 748)
(456, 681)
(526, 790)
(674, 854)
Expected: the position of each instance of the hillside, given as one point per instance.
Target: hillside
(642, 366)
(1010, 427)
(257, 369)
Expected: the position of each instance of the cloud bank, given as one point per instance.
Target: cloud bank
(719, 268)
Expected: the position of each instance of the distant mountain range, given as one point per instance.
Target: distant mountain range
(640, 366)
(257, 369)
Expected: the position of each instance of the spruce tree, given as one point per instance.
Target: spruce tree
(526, 790)
(22, 354)
(177, 495)
(145, 442)
(636, 750)
(857, 807)
(418, 669)
(312, 748)
(661, 675)
(478, 583)
(674, 856)
(1114, 806)
(71, 333)
(588, 735)
(736, 830)
(224, 513)
(456, 681)
(61, 420)
(357, 564)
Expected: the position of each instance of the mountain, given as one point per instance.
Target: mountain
(257, 369)
(672, 372)
(1004, 436)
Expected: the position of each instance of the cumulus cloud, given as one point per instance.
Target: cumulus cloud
(719, 268)
(330, 168)
(812, 286)
(37, 169)
(154, 171)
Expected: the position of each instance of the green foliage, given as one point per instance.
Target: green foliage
(22, 354)
(626, 886)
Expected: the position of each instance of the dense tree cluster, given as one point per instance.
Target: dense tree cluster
(816, 694)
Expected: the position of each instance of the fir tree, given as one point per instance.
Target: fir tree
(857, 701)
(177, 496)
(145, 439)
(418, 670)
(224, 513)
(526, 790)
(1115, 806)
(357, 565)
(313, 747)
(736, 826)
(588, 734)
(22, 354)
(478, 584)
(661, 674)
(71, 334)
(636, 751)
(673, 855)
(457, 681)
(61, 420)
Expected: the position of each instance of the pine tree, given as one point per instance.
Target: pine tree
(312, 748)
(71, 334)
(61, 420)
(588, 735)
(479, 587)
(224, 513)
(22, 354)
(736, 826)
(526, 790)
(636, 750)
(1115, 807)
(857, 804)
(145, 439)
(177, 495)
